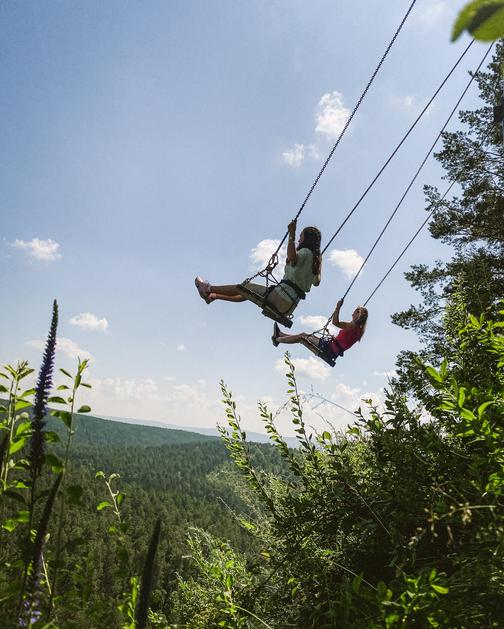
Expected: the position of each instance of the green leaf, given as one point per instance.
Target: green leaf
(120, 498)
(63, 387)
(9, 525)
(482, 407)
(23, 516)
(65, 372)
(104, 505)
(465, 413)
(23, 429)
(461, 397)
(326, 435)
(3, 389)
(52, 460)
(55, 399)
(51, 437)
(20, 404)
(484, 19)
(16, 445)
(65, 416)
(434, 374)
(99, 474)
(439, 588)
(84, 409)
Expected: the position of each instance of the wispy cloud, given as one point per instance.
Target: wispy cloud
(136, 389)
(386, 374)
(262, 252)
(430, 13)
(295, 156)
(65, 346)
(181, 347)
(46, 250)
(410, 104)
(348, 260)
(330, 118)
(331, 115)
(89, 321)
(309, 367)
(313, 322)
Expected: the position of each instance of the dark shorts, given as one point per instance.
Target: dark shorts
(325, 347)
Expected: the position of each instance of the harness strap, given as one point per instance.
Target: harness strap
(300, 293)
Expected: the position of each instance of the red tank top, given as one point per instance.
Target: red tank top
(346, 338)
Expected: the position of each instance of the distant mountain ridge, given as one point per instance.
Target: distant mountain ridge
(255, 437)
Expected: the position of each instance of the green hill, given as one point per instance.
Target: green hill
(95, 431)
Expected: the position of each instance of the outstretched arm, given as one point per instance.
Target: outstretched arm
(291, 246)
(344, 325)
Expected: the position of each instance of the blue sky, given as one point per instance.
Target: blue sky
(146, 143)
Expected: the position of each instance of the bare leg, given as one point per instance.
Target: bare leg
(228, 290)
(221, 297)
(289, 339)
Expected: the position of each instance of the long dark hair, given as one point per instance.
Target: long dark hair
(311, 241)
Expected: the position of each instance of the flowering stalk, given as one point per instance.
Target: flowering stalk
(44, 384)
(35, 566)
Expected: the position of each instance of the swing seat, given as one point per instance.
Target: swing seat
(327, 357)
(272, 313)
(267, 309)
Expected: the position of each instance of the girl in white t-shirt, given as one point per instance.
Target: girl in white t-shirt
(302, 271)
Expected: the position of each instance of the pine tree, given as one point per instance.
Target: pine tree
(471, 222)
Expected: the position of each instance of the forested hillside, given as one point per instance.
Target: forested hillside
(94, 431)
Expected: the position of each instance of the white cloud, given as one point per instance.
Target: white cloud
(65, 346)
(46, 250)
(309, 367)
(430, 12)
(330, 118)
(89, 321)
(410, 104)
(132, 389)
(165, 401)
(295, 156)
(313, 322)
(331, 115)
(386, 374)
(406, 102)
(262, 252)
(181, 347)
(348, 260)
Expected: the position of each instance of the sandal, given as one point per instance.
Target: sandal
(203, 288)
(276, 334)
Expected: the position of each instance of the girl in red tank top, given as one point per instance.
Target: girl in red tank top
(350, 332)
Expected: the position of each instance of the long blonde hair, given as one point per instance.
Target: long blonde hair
(362, 320)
